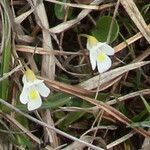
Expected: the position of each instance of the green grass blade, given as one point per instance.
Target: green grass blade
(6, 49)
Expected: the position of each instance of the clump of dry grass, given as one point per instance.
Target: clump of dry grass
(71, 118)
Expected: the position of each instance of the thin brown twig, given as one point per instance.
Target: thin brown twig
(6, 75)
(82, 6)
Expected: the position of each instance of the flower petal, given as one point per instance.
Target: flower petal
(93, 55)
(88, 46)
(91, 42)
(105, 48)
(103, 62)
(34, 100)
(43, 89)
(24, 95)
(30, 76)
(24, 80)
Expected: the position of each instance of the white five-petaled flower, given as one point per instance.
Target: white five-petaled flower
(99, 54)
(32, 89)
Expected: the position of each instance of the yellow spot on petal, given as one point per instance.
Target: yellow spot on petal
(92, 41)
(101, 57)
(33, 94)
(30, 76)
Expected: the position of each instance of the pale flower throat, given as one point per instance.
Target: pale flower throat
(92, 41)
(30, 76)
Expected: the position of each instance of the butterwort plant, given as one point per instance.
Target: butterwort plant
(32, 91)
(99, 53)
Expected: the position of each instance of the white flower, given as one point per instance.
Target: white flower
(99, 53)
(32, 90)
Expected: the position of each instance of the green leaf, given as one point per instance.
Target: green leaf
(139, 116)
(145, 103)
(70, 118)
(24, 142)
(102, 29)
(141, 124)
(145, 123)
(23, 120)
(60, 10)
(6, 49)
(56, 100)
(145, 9)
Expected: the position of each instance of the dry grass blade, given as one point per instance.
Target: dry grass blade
(67, 25)
(19, 126)
(137, 18)
(48, 64)
(111, 102)
(82, 6)
(119, 47)
(114, 113)
(72, 73)
(24, 130)
(46, 37)
(79, 146)
(130, 95)
(110, 110)
(129, 41)
(64, 87)
(145, 54)
(48, 126)
(23, 16)
(110, 75)
(146, 143)
(122, 139)
(41, 51)
(108, 84)
(6, 75)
